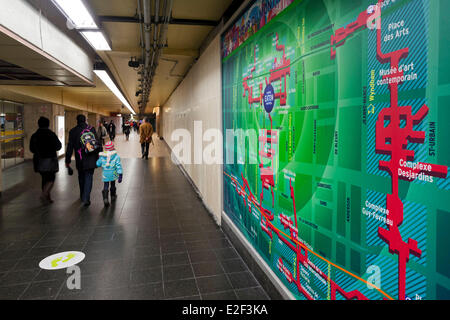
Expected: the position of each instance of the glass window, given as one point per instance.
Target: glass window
(11, 134)
(20, 151)
(8, 153)
(19, 119)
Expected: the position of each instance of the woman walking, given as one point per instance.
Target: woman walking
(44, 144)
(102, 133)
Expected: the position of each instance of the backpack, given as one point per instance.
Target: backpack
(88, 141)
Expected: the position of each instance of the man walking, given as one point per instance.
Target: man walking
(86, 162)
(146, 133)
(112, 130)
(126, 129)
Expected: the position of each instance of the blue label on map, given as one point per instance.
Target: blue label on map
(269, 98)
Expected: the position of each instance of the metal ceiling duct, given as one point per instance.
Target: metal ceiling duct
(152, 50)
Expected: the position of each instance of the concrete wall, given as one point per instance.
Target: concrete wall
(198, 98)
(55, 95)
(94, 119)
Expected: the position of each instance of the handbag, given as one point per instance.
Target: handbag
(48, 165)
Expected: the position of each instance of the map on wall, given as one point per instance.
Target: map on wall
(337, 147)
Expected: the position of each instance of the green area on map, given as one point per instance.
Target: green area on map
(325, 147)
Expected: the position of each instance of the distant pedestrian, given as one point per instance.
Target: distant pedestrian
(112, 170)
(146, 133)
(112, 130)
(44, 144)
(82, 141)
(126, 130)
(102, 133)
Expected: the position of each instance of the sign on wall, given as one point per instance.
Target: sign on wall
(337, 153)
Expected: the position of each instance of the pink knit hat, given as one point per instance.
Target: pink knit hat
(109, 146)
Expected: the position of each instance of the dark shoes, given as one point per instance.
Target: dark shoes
(86, 204)
(45, 199)
(45, 196)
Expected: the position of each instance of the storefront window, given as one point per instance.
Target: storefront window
(11, 134)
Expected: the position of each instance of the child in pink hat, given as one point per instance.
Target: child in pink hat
(111, 164)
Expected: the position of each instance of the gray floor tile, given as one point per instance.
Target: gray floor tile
(180, 272)
(156, 241)
(180, 288)
(213, 284)
(252, 294)
(240, 280)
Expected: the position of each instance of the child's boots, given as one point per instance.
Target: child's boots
(105, 197)
(113, 194)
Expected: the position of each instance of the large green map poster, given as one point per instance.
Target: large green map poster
(338, 145)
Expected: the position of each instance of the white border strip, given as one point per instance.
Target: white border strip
(267, 270)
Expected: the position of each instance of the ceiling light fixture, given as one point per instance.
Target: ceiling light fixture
(77, 13)
(104, 76)
(97, 40)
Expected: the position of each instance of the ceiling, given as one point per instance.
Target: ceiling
(183, 42)
(192, 22)
(9, 71)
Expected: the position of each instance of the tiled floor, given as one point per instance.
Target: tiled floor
(156, 241)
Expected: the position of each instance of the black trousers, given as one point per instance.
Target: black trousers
(144, 148)
(47, 177)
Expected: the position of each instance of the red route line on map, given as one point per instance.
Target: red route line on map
(247, 88)
(266, 175)
(393, 140)
(277, 73)
(241, 191)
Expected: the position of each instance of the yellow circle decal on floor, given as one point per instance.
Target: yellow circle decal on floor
(62, 260)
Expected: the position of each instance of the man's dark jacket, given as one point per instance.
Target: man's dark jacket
(112, 129)
(83, 160)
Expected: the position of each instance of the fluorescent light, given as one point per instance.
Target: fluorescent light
(76, 11)
(97, 40)
(104, 76)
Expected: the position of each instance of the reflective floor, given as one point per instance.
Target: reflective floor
(156, 241)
